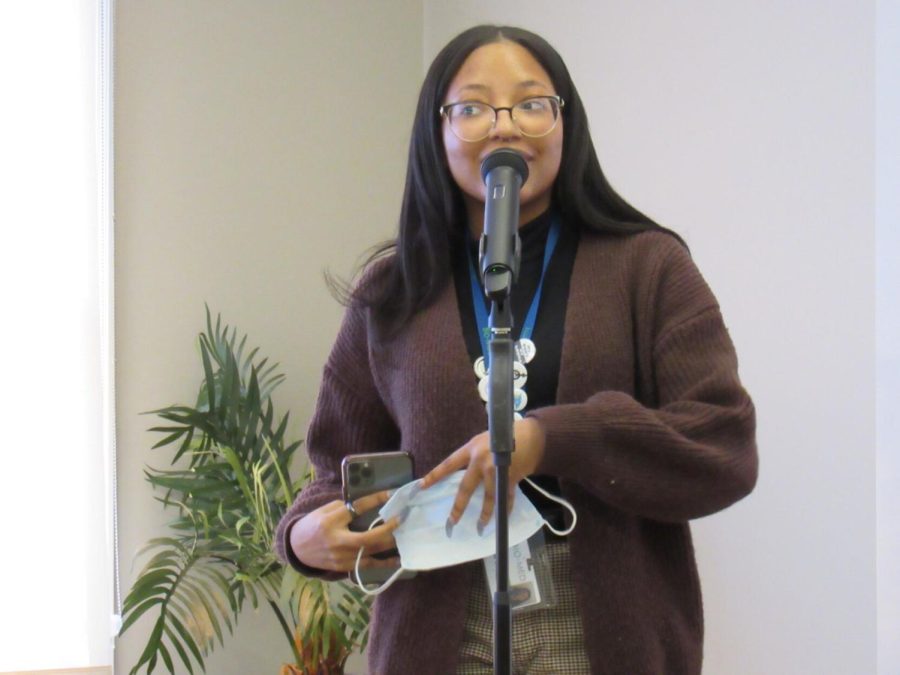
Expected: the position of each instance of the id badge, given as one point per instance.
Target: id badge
(528, 575)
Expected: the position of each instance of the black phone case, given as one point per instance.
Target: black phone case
(369, 473)
(365, 474)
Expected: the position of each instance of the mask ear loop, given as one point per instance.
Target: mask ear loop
(387, 584)
(558, 500)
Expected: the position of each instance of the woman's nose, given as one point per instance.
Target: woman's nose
(504, 127)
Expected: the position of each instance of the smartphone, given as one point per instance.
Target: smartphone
(366, 474)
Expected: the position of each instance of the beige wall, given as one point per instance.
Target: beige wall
(257, 144)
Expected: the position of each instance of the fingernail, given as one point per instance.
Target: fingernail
(480, 528)
(448, 528)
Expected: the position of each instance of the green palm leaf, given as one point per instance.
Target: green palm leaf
(172, 586)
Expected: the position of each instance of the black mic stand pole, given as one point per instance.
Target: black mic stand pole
(500, 426)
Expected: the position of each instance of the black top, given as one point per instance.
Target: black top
(543, 371)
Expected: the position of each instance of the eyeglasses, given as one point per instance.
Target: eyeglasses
(472, 121)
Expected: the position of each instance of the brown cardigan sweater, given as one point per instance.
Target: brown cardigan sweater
(652, 428)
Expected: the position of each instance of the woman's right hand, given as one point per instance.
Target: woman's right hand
(323, 539)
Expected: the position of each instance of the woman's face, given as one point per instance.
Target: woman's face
(502, 74)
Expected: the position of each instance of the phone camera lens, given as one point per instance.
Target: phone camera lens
(354, 468)
(366, 471)
(354, 480)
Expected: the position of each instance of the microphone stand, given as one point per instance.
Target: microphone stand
(504, 171)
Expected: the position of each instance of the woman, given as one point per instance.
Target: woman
(635, 412)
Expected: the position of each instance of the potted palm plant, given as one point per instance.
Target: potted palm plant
(230, 481)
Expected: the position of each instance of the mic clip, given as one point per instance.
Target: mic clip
(498, 280)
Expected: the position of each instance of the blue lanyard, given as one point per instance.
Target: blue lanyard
(479, 301)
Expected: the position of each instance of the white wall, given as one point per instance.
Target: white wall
(256, 145)
(54, 487)
(748, 127)
(887, 135)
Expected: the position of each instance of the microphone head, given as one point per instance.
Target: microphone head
(505, 157)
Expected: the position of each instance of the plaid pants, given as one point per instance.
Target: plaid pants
(545, 641)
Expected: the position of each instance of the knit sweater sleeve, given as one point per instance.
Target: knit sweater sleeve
(689, 452)
(349, 418)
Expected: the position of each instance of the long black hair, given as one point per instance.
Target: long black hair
(433, 217)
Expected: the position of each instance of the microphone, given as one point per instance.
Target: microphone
(504, 171)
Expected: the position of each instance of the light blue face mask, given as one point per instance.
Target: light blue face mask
(426, 543)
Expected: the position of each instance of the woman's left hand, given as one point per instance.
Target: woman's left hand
(476, 458)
